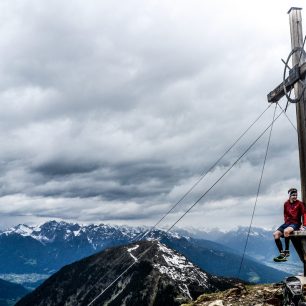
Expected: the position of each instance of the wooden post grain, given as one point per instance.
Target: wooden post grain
(295, 19)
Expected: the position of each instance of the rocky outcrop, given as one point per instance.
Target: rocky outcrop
(241, 295)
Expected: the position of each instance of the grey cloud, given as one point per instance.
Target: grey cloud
(131, 102)
(64, 168)
(124, 182)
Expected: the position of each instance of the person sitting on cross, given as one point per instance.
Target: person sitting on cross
(293, 213)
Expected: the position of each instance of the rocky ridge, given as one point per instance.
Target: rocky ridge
(241, 295)
(157, 276)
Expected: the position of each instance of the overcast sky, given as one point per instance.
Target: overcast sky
(112, 110)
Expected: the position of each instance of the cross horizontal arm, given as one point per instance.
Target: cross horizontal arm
(295, 74)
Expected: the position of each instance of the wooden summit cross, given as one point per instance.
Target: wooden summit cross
(295, 80)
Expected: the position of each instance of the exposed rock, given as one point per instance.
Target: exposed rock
(240, 295)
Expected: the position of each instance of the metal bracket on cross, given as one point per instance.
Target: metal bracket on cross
(294, 76)
(290, 77)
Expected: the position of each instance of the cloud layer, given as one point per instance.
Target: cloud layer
(110, 111)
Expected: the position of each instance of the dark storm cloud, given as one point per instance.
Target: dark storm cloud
(113, 182)
(61, 168)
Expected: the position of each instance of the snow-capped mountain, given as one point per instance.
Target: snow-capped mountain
(96, 235)
(30, 254)
(157, 276)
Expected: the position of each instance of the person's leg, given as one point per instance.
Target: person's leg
(277, 235)
(279, 245)
(287, 243)
(289, 230)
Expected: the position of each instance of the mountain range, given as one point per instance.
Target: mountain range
(29, 255)
(145, 273)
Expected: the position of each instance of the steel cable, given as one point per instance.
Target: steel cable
(189, 209)
(258, 190)
(203, 175)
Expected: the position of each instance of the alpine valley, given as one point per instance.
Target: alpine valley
(29, 255)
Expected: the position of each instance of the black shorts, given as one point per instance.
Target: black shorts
(296, 227)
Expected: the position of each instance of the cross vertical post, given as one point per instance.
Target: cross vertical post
(296, 81)
(298, 58)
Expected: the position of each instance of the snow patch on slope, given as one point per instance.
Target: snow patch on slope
(20, 229)
(130, 252)
(180, 269)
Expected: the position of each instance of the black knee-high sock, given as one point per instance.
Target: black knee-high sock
(279, 245)
(287, 240)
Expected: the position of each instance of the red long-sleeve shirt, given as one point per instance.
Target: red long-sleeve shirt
(293, 212)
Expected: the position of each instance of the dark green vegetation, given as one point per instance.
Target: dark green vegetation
(10, 293)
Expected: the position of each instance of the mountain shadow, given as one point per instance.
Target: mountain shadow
(157, 276)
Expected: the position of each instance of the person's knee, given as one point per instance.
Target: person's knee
(277, 235)
(288, 231)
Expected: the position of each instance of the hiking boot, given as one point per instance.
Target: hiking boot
(287, 253)
(280, 258)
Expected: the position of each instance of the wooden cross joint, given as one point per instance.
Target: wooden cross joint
(295, 74)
